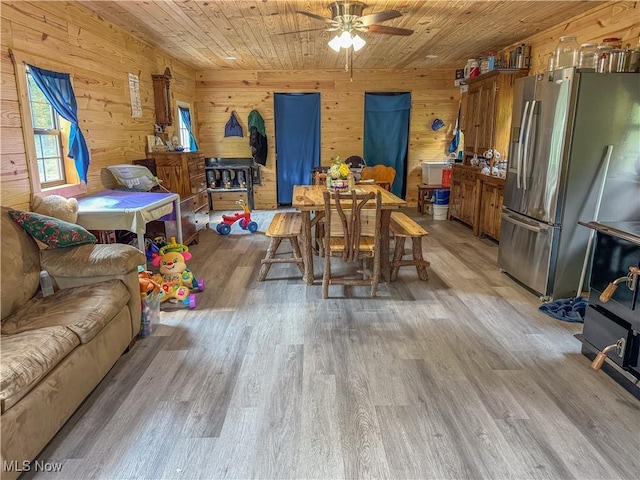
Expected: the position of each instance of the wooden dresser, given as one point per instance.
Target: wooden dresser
(184, 174)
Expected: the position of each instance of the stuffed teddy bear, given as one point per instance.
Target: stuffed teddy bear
(177, 279)
(65, 209)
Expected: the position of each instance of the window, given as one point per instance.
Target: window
(185, 134)
(56, 151)
(187, 139)
(47, 136)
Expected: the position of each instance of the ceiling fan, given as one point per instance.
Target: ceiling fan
(347, 17)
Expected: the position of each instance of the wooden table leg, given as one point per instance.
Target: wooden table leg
(385, 220)
(307, 249)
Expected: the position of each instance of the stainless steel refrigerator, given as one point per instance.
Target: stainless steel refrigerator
(564, 122)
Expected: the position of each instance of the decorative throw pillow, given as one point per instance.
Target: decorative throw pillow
(51, 231)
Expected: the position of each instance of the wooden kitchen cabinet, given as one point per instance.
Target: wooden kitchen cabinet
(464, 195)
(476, 200)
(487, 120)
(183, 173)
(492, 196)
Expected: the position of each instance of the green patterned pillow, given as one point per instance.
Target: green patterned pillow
(53, 232)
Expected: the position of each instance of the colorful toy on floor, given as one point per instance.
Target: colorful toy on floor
(224, 227)
(177, 279)
(150, 302)
(149, 282)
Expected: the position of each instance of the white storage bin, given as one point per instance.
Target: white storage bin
(432, 172)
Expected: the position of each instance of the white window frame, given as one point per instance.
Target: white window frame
(54, 131)
(73, 185)
(180, 125)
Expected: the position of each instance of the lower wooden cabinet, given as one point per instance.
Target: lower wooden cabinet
(476, 200)
(491, 207)
(463, 198)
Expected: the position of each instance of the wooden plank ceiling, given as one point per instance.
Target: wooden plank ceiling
(206, 34)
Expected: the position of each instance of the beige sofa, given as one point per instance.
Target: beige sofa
(55, 350)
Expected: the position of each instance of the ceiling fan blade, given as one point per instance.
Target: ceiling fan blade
(313, 15)
(301, 31)
(379, 17)
(389, 30)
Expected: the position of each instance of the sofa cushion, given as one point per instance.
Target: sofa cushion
(92, 260)
(20, 263)
(84, 310)
(53, 232)
(29, 356)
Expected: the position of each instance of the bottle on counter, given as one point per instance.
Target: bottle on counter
(472, 68)
(612, 42)
(634, 60)
(523, 56)
(588, 55)
(566, 54)
(604, 52)
(46, 284)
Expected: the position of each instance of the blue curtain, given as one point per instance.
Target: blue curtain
(297, 119)
(57, 89)
(186, 119)
(386, 134)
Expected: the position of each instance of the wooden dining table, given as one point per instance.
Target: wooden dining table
(309, 198)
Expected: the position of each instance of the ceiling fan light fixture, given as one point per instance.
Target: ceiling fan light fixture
(345, 39)
(358, 42)
(335, 43)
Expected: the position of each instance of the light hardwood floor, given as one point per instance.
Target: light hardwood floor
(457, 377)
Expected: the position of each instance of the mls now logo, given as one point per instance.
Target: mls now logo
(30, 466)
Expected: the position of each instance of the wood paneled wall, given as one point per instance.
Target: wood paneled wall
(342, 114)
(613, 19)
(67, 37)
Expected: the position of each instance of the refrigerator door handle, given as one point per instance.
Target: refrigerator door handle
(524, 117)
(526, 226)
(527, 137)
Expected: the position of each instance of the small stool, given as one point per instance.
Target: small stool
(284, 225)
(423, 191)
(402, 227)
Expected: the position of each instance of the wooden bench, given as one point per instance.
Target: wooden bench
(284, 225)
(402, 227)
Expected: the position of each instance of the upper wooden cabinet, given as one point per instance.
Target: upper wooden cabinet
(162, 98)
(486, 112)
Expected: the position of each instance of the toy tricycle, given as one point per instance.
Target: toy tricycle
(224, 227)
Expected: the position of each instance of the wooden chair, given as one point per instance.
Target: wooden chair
(402, 228)
(284, 225)
(353, 235)
(355, 161)
(381, 174)
(320, 178)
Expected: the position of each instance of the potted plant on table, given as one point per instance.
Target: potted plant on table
(339, 176)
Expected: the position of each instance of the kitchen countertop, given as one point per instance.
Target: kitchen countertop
(629, 231)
